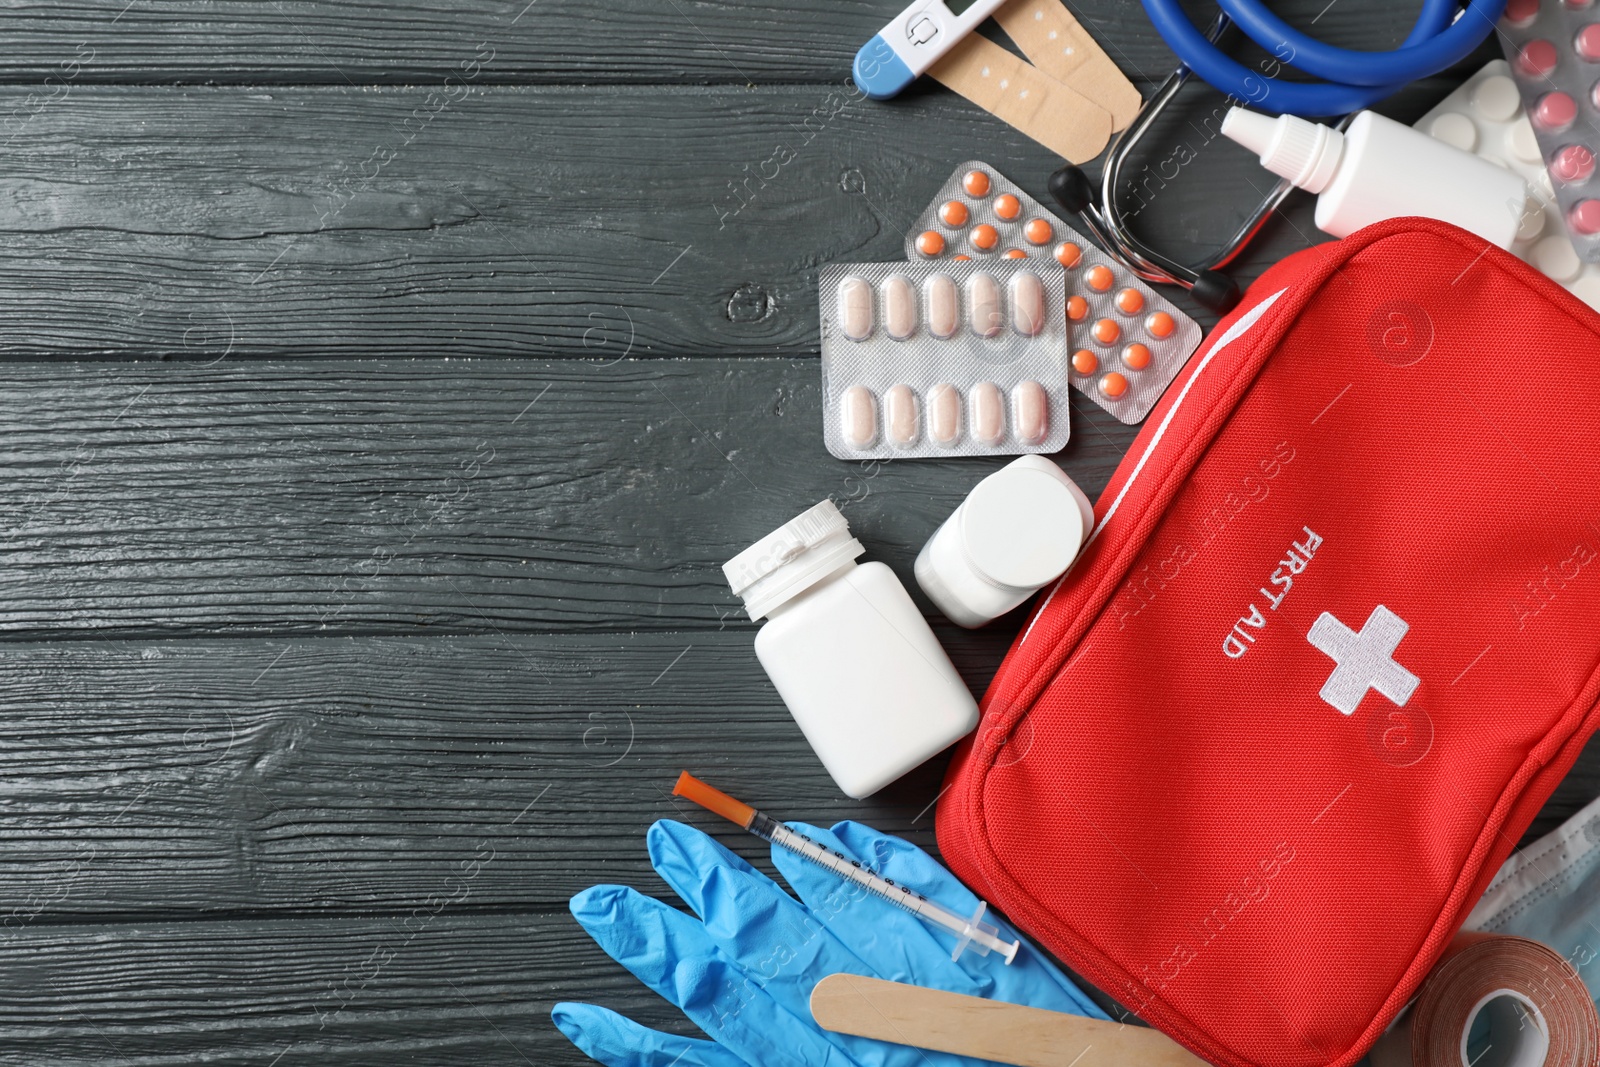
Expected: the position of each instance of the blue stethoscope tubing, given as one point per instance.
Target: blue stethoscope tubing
(1352, 80)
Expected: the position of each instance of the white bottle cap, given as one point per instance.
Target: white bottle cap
(1018, 529)
(1306, 153)
(792, 558)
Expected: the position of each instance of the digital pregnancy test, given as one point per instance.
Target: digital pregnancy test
(909, 45)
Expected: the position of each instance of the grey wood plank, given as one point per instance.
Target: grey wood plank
(349, 42)
(420, 987)
(426, 497)
(204, 223)
(354, 775)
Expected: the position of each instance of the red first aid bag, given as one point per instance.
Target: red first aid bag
(1333, 643)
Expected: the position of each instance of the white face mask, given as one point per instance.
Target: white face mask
(1550, 892)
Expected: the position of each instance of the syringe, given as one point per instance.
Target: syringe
(973, 931)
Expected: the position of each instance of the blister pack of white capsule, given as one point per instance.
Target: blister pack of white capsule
(924, 360)
(1484, 116)
(1127, 342)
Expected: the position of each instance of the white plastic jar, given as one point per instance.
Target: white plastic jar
(1018, 529)
(847, 649)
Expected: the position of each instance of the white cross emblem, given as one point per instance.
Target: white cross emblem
(1365, 660)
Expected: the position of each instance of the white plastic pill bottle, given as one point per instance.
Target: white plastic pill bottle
(1018, 529)
(852, 657)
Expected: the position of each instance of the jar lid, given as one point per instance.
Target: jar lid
(791, 559)
(1022, 526)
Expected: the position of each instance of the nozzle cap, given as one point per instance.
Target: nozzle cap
(1306, 153)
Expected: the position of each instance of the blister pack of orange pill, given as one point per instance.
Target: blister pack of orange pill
(943, 358)
(1126, 344)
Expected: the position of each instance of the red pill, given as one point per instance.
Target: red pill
(1038, 232)
(930, 243)
(953, 213)
(1537, 58)
(1587, 43)
(1113, 385)
(1014, 253)
(1572, 164)
(1136, 357)
(984, 236)
(1584, 217)
(1130, 301)
(1106, 331)
(1555, 112)
(1077, 308)
(1068, 254)
(1085, 361)
(1520, 13)
(1098, 278)
(976, 183)
(1007, 207)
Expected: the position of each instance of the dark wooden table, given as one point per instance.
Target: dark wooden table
(387, 385)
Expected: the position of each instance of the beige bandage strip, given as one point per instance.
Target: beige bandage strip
(1056, 43)
(1054, 114)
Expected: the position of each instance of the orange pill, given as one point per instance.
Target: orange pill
(963, 255)
(1130, 301)
(1068, 254)
(1106, 332)
(1007, 207)
(1014, 253)
(1077, 308)
(953, 213)
(976, 183)
(1113, 385)
(1085, 361)
(1160, 324)
(1098, 278)
(1136, 357)
(930, 243)
(984, 236)
(1038, 232)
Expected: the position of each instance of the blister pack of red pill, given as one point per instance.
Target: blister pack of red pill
(942, 359)
(1126, 342)
(1554, 49)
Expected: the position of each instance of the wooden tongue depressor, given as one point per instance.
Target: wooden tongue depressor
(1055, 115)
(1056, 43)
(986, 1029)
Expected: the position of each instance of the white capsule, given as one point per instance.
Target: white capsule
(984, 313)
(1027, 304)
(899, 307)
(944, 414)
(902, 417)
(855, 308)
(944, 305)
(1031, 410)
(858, 416)
(988, 413)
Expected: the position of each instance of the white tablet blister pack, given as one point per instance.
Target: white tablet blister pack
(943, 358)
(1127, 343)
(1484, 116)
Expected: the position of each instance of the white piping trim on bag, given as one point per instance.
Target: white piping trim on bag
(1234, 332)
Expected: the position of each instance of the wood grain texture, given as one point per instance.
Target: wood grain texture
(414, 498)
(489, 221)
(354, 776)
(418, 988)
(348, 42)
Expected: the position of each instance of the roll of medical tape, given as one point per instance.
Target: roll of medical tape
(1539, 1011)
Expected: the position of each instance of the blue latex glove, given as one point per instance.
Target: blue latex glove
(743, 971)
